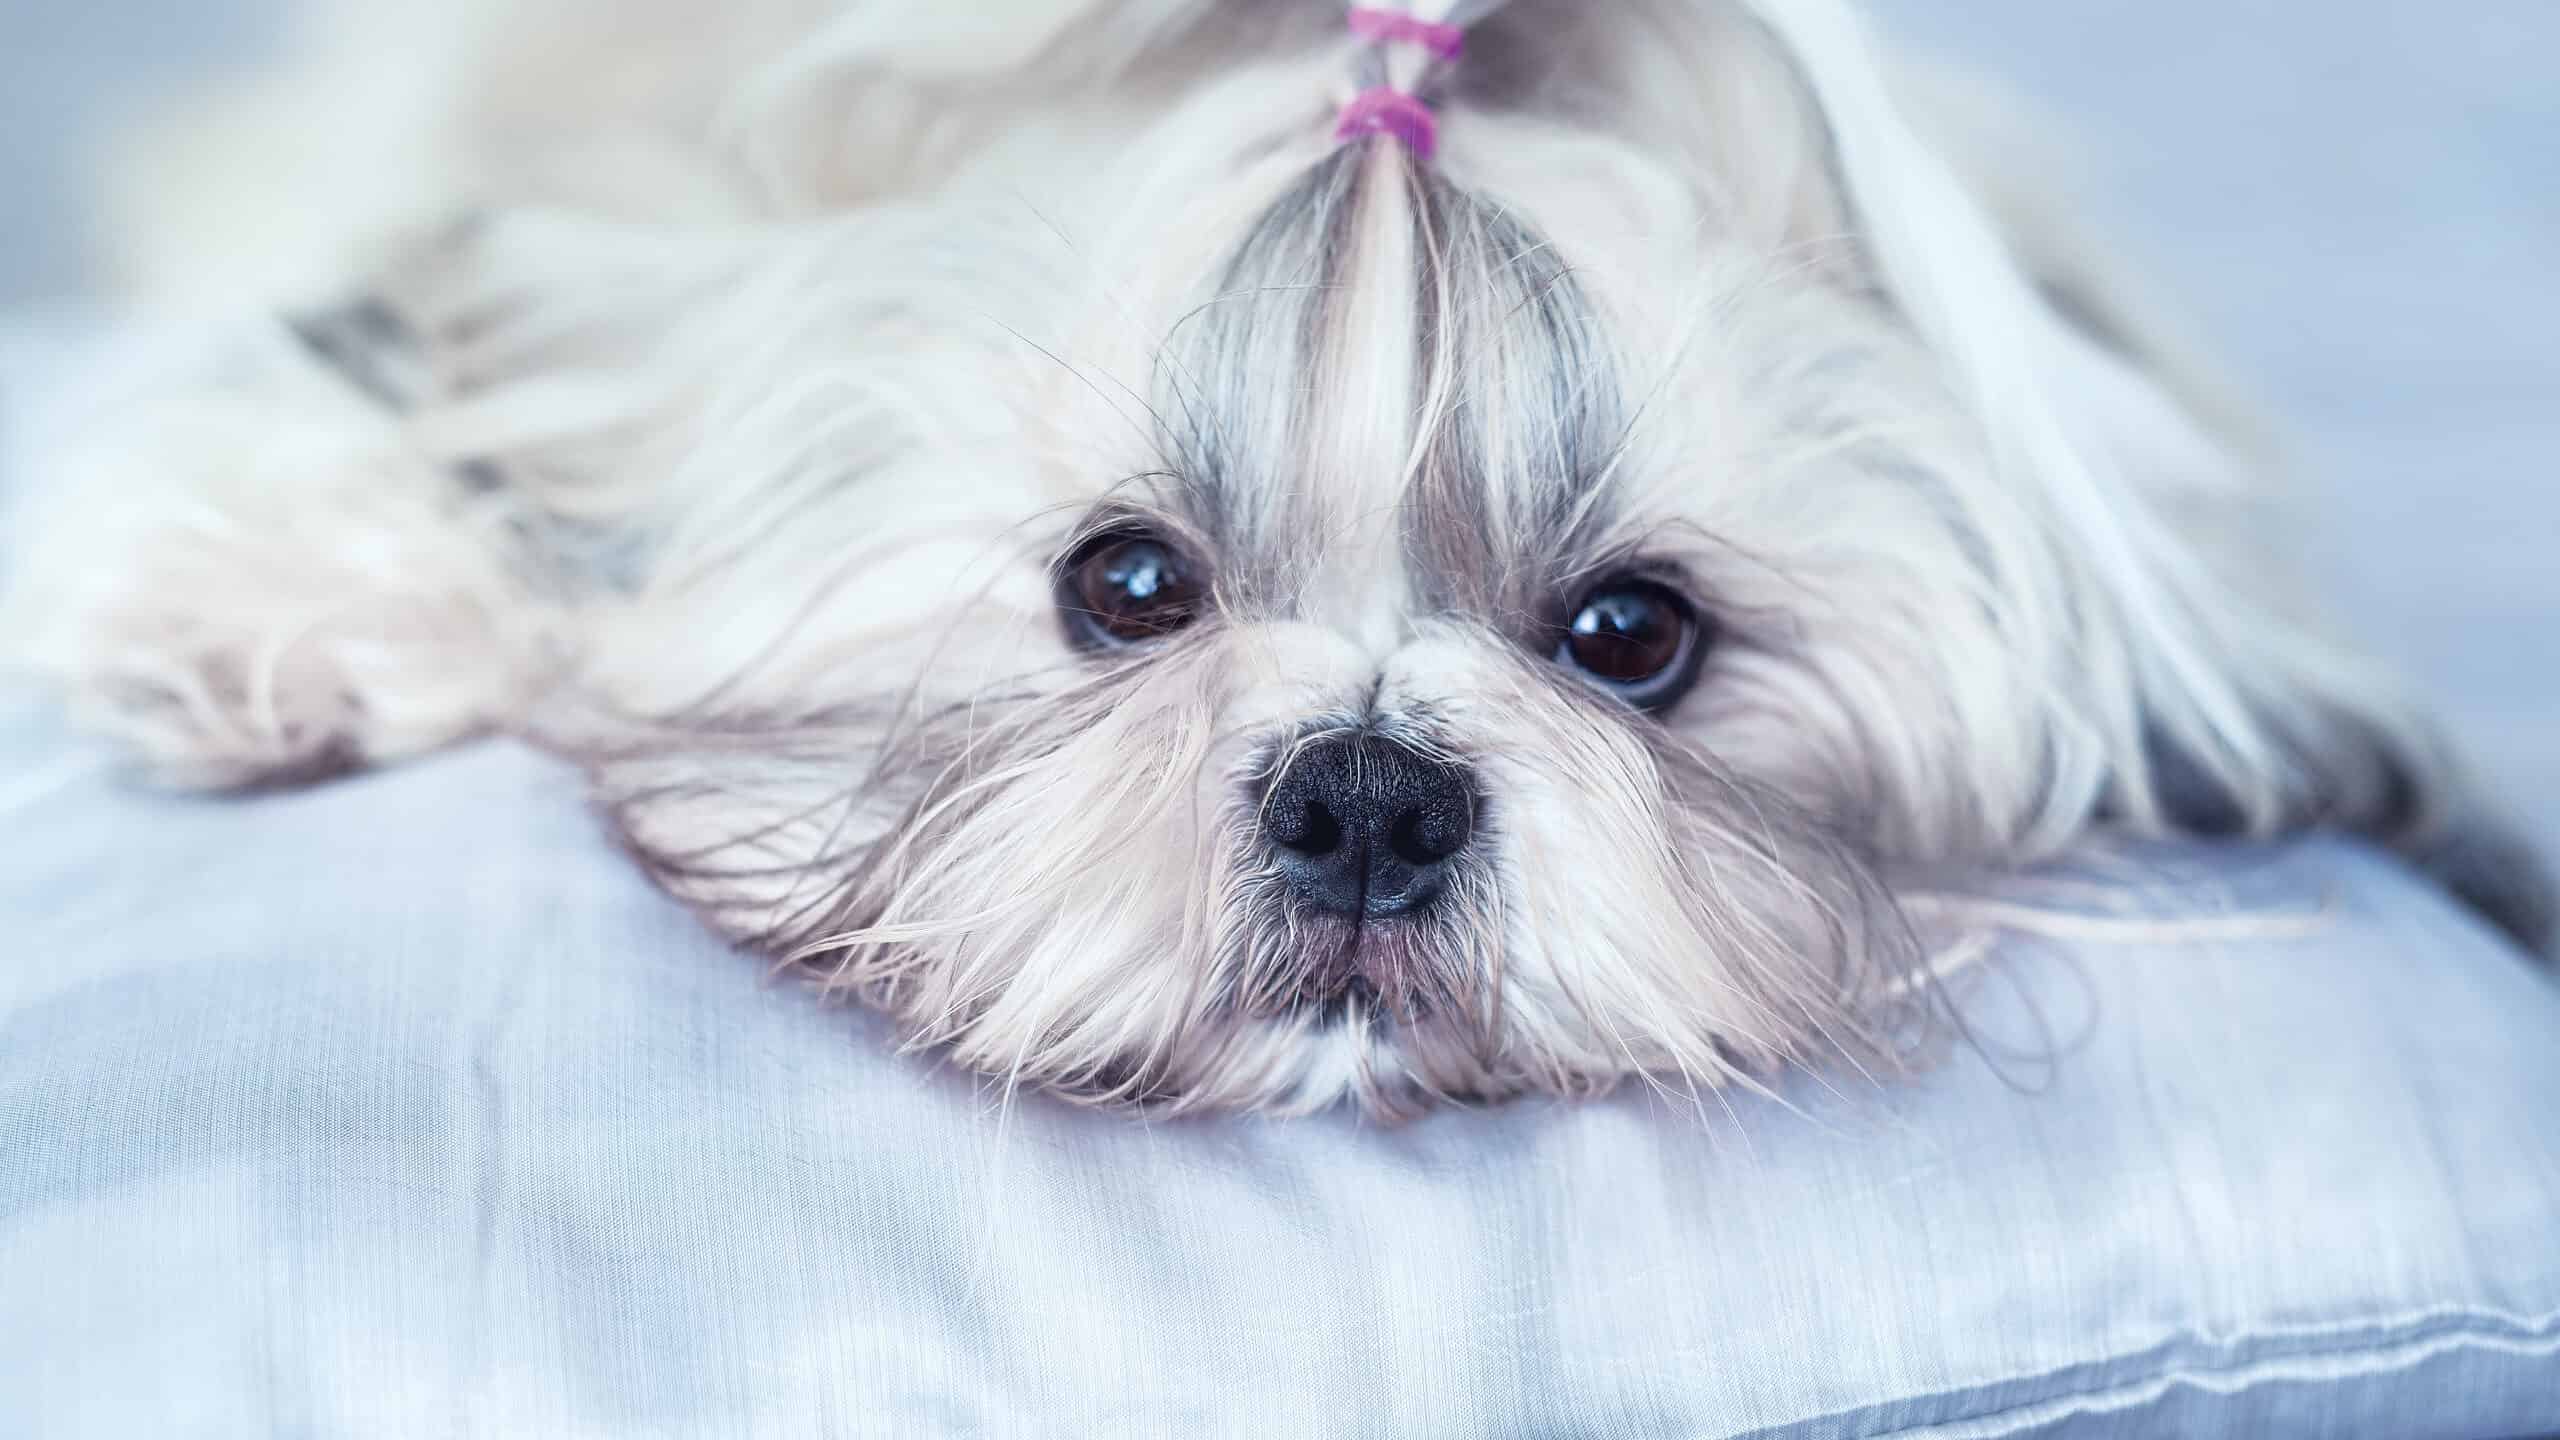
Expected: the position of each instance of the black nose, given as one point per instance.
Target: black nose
(1364, 826)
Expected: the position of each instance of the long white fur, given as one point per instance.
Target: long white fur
(862, 308)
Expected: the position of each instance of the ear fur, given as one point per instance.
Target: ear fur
(2205, 700)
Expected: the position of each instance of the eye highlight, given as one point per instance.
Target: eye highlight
(1127, 587)
(1638, 639)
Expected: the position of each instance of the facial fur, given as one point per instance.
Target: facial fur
(776, 510)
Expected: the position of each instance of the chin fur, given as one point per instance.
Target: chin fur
(727, 412)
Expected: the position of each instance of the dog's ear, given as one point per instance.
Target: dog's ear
(2191, 694)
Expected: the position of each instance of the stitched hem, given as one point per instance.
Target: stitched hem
(2332, 1354)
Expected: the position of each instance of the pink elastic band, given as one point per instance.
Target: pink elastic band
(1394, 27)
(1384, 110)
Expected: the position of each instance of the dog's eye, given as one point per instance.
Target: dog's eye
(1638, 638)
(1127, 588)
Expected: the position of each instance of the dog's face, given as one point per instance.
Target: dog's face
(1366, 636)
(1178, 605)
(1258, 623)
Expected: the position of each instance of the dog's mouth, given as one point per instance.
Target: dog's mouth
(1340, 988)
(1381, 1009)
(1383, 971)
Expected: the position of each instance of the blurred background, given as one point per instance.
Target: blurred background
(2357, 202)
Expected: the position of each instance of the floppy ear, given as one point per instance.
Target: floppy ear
(2194, 693)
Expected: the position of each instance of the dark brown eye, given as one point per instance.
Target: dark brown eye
(1638, 638)
(1126, 589)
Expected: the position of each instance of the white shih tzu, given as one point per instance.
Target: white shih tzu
(1193, 553)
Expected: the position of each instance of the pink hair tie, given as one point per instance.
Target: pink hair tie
(1394, 27)
(1384, 110)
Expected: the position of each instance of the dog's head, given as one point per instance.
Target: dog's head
(1179, 607)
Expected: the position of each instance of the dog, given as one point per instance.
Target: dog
(1215, 554)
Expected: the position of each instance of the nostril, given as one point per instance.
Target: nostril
(1309, 829)
(1321, 834)
(1431, 832)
